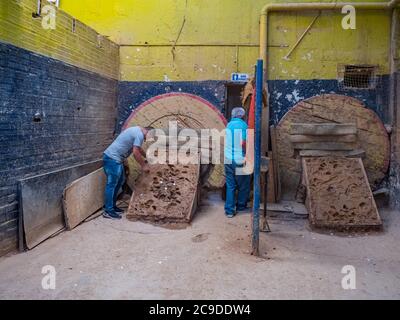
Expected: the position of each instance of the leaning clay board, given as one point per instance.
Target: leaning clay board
(190, 111)
(337, 109)
(83, 197)
(166, 196)
(338, 194)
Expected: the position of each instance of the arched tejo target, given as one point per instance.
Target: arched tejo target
(190, 111)
(372, 136)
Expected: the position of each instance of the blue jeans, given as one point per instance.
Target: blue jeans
(114, 171)
(234, 182)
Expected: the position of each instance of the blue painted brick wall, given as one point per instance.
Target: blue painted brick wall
(132, 94)
(77, 111)
(283, 94)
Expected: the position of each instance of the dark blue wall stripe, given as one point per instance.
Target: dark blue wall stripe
(284, 94)
(132, 94)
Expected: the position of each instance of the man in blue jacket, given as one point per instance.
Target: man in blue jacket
(235, 149)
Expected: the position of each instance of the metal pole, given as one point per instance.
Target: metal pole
(257, 159)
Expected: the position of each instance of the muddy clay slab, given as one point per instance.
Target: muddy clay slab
(338, 194)
(166, 196)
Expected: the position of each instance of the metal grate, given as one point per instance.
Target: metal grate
(357, 77)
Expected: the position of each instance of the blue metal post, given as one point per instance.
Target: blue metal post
(257, 159)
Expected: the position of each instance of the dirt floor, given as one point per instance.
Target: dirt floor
(104, 259)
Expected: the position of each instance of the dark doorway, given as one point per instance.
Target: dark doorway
(233, 97)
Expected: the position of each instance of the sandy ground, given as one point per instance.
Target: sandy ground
(104, 259)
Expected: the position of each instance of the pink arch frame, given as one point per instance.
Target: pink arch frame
(173, 94)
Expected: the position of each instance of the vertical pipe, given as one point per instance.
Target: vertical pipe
(257, 159)
(263, 56)
(264, 40)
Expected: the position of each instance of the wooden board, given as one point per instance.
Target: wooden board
(189, 111)
(324, 146)
(41, 210)
(333, 109)
(271, 186)
(324, 129)
(288, 206)
(358, 153)
(277, 179)
(323, 138)
(338, 194)
(83, 197)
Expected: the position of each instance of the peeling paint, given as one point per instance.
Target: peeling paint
(296, 96)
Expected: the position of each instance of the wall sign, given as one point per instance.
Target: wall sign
(239, 77)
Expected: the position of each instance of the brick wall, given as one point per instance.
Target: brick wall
(58, 100)
(71, 41)
(132, 94)
(52, 115)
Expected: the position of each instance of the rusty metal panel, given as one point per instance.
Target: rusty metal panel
(41, 210)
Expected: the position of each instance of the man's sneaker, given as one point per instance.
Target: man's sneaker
(118, 210)
(111, 215)
(229, 215)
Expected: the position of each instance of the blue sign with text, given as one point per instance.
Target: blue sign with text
(239, 77)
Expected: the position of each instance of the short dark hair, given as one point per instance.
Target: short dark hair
(149, 128)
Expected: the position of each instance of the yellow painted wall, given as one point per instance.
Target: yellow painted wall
(81, 48)
(222, 36)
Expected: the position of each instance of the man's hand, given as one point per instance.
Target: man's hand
(137, 154)
(143, 153)
(146, 168)
(140, 157)
(126, 168)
